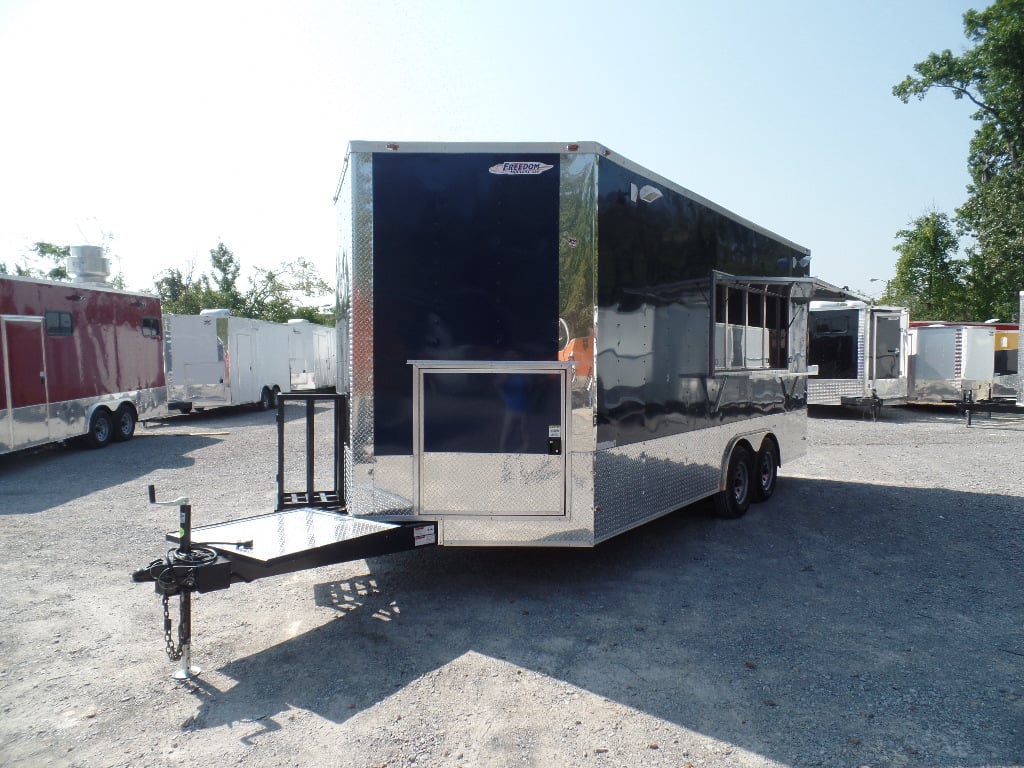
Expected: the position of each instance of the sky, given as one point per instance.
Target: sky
(160, 130)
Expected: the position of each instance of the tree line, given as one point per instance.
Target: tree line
(278, 294)
(932, 278)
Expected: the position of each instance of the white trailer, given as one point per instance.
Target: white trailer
(951, 362)
(312, 356)
(861, 352)
(214, 359)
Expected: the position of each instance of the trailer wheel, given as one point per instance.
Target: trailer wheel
(266, 399)
(101, 429)
(124, 423)
(735, 500)
(766, 471)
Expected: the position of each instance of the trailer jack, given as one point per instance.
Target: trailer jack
(182, 571)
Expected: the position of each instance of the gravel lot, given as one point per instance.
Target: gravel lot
(869, 615)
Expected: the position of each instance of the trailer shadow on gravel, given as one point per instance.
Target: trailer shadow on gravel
(37, 480)
(878, 625)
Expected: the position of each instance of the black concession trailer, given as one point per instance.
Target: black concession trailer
(542, 345)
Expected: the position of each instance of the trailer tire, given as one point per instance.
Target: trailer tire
(266, 399)
(734, 500)
(766, 471)
(101, 429)
(124, 423)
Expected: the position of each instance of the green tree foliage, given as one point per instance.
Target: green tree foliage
(991, 76)
(929, 278)
(49, 262)
(271, 294)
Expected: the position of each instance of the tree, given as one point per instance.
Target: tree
(272, 294)
(49, 262)
(929, 279)
(991, 76)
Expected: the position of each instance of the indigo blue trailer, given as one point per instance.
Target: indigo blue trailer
(551, 345)
(539, 345)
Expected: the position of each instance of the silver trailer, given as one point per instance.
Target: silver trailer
(860, 350)
(951, 362)
(214, 359)
(551, 345)
(312, 356)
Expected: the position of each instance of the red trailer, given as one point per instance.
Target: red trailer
(77, 360)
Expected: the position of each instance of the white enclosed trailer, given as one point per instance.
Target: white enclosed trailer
(861, 352)
(950, 362)
(312, 356)
(214, 359)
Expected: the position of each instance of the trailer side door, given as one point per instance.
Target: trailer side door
(24, 419)
(491, 438)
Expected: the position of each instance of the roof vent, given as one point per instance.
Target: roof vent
(87, 264)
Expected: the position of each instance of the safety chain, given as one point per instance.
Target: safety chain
(174, 652)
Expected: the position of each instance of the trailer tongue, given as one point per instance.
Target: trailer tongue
(309, 529)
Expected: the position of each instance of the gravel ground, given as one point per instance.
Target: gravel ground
(870, 614)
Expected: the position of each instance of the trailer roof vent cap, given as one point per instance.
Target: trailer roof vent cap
(87, 264)
(215, 312)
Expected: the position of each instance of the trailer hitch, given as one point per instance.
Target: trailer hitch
(182, 571)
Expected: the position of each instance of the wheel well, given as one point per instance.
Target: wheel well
(727, 457)
(131, 406)
(97, 408)
(770, 438)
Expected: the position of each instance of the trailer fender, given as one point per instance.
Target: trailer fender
(739, 440)
(736, 481)
(766, 468)
(99, 426)
(125, 419)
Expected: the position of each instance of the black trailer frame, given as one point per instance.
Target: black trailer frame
(967, 405)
